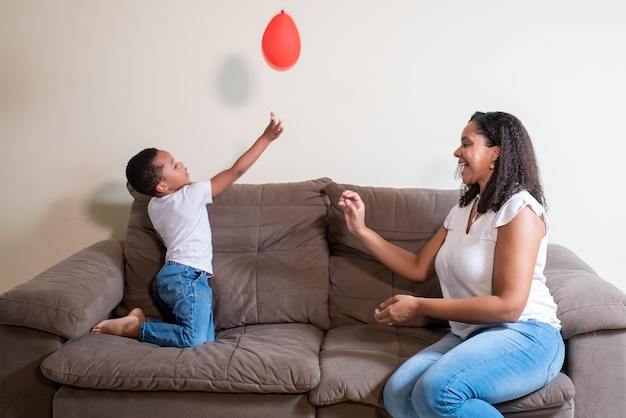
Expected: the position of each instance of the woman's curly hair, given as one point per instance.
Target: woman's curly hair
(516, 168)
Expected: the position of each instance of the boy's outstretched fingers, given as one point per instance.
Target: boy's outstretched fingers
(274, 128)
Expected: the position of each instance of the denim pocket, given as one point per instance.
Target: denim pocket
(201, 288)
(171, 289)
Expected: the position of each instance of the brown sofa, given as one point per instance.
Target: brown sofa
(294, 295)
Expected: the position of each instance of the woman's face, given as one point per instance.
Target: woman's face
(475, 157)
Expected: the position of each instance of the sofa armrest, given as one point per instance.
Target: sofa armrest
(70, 297)
(586, 302)
(596, 363)
(24, 390)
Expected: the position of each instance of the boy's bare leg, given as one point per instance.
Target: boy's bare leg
(127, 326)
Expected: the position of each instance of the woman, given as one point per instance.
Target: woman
(489, 257)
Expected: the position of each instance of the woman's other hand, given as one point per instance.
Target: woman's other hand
(397, 310)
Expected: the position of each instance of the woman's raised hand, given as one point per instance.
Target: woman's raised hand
(354, 211)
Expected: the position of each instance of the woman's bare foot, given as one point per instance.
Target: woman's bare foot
(126, 326)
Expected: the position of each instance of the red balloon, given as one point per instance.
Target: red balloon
(281, 42)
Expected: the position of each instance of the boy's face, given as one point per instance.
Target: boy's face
(175, 173)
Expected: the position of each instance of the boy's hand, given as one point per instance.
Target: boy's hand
(274, 128)
(225, 178)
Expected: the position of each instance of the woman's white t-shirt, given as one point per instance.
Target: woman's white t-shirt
(464, 263)
(182, 221)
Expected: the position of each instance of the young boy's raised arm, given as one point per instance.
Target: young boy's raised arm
(225, 178)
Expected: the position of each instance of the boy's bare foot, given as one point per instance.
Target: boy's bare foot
(127, 326)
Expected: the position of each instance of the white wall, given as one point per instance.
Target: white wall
(379, 96)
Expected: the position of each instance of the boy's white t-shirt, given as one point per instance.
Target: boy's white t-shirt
(464, 264)
(182, 221)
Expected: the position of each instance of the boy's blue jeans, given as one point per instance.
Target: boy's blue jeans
(187, 302)
(463, 378)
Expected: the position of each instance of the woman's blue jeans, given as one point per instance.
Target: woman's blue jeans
(463, 378)
(186, 299)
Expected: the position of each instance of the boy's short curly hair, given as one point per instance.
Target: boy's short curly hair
(143, 174)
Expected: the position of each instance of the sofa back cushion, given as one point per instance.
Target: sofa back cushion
(270, 254)
(144, 256)
(270, 257)
(405, 217)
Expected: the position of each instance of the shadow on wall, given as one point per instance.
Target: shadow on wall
(67, 226)
(234, 83)
(110, 207)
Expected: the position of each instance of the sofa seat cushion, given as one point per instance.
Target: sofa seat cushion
(279, 358)
(357, 360)
(559, 392)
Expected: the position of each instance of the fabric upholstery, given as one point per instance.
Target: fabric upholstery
(70, 297)
(375, 352)
(270, 255)
(144, 254)
(586, 303)
(559, 392)
(21, 352)
(405, 217)
(597, 367)
(278, 358)
(284, 264)
(69, 403)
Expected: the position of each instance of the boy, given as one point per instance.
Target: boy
(178, 213)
